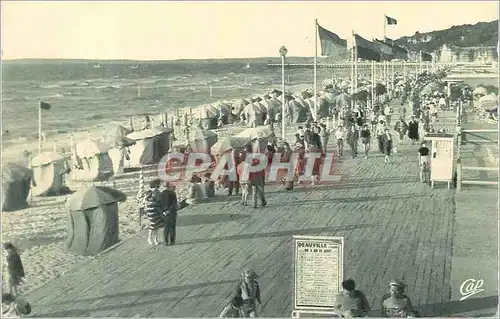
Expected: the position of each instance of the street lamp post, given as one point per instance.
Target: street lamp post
(283, 52)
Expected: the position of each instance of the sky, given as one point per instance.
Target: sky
(195, 30)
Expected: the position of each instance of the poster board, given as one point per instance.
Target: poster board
(318, 273)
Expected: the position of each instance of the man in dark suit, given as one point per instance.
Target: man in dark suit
(352, 139)
(170, 208)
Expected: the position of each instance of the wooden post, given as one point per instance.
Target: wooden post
(131, 123)
(30, 165)
(141, 190)
(211, 91)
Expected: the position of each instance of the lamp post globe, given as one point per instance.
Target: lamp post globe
(283, 51)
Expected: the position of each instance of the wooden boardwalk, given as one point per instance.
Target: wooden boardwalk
(394, 227)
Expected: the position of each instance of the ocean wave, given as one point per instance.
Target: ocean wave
(45, 97)
(49, 86)
(108, 87)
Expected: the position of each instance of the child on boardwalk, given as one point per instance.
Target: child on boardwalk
(249, 291)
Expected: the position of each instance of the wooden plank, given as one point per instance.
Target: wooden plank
(479, 168)
(467, 182)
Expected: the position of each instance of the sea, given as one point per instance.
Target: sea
(85, 94)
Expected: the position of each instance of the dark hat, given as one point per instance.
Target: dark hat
(256, 99)
(8, 245)
(195, 179)
(266, 96)
(155, 183)
(245, 102)
(397, 283)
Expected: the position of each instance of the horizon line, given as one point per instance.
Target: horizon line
(160, 60)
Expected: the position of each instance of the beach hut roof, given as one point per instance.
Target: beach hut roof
(93, 197)
(46, 158)
(148, 133)
(90, 148)
(201, 135)
(13, 172)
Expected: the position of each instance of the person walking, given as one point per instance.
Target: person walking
(14, 275)
(387, 145)
(153, 211)
(424, 163)
(401, 127)
(413, 130)
(249, 291)
(244, 182)
(365, 139)
(396, 304)
(257, 182)
(340, 136)
(353, 139)
(379, 131)
(170, 207)
(351, 302)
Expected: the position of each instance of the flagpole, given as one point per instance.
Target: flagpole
(385, 26)
(352, 67)
(39, 127)
(315, 68)
(373, 85)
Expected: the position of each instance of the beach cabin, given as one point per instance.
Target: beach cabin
(93, 220)
(48, 174)
(93, 162)
(150, 146)
(16, 184)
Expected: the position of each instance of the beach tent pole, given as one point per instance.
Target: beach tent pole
(355, 64)
(315, 69)
(40, 127)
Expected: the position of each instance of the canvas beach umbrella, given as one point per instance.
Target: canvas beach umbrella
(13, 172)
(257, 132)
(94, 196)
(480, 91)
(117, 137)
(232, 142)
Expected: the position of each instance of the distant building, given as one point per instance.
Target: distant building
(467, 54)
(445, 54)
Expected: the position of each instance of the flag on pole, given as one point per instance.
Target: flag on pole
(365, 49)
(390, 21)
(386, 50)
(330, 42)
(45, 105)
(426, 57)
